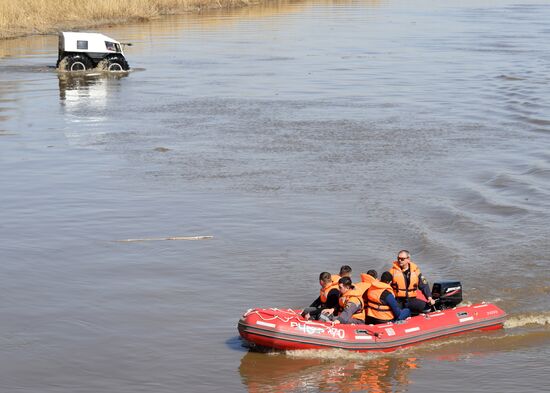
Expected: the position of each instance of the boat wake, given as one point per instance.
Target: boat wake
(332, 354)
(528, 319)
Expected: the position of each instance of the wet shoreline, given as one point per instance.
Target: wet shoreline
(52, 27)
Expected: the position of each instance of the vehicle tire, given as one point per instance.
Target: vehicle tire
(114, 64)
(77, 63)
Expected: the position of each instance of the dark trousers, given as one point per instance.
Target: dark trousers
(416, 306)
(375, 321)
(314, 312)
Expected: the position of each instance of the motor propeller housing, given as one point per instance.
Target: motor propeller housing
(447, 294)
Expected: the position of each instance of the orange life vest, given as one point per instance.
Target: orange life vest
(399, 283)
(367, 278)
(375, 307)
(323, 293)
(355, 296)
(361, 287)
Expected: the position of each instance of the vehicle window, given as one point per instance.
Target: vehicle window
(81, 44)
(110, 45)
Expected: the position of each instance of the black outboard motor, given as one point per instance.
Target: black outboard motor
(447, 294)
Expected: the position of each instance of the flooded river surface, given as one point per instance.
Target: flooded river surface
(301, 136)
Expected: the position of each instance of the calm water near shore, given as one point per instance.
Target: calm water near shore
(301, 136)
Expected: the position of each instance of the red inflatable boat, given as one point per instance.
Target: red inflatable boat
(286, 330)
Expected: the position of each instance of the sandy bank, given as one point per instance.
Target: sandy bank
(25, 17)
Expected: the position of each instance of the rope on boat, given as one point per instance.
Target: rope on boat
(285, 320)
(293, 315)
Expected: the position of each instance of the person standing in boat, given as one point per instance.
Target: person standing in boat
(350, 306)
(328, 296)
(407, 280)
(381, 305)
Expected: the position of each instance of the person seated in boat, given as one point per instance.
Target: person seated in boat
(345, 271)
(407, 280)
(366, 281)
(328, 296)
(381, 304)
(369, 276)
(350, 305)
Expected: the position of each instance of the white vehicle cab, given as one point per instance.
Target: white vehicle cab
(85, 51)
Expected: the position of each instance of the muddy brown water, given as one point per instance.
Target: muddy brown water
(301, 136)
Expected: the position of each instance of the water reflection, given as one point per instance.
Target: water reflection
(362, 373)
(170, 25)
(8, 104)
(36, 45)
(348, 371)
(87, 89)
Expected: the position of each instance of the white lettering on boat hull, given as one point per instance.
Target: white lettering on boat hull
(272, 325)
(317, 330)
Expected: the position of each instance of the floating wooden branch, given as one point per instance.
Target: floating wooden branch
(166, 238)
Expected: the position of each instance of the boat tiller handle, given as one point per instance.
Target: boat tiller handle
(375, 334)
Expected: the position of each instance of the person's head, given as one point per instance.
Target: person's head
(345, 271)
(386, 277)
(325, 278)
(344, 285)
(403, 258)
(372, 273)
